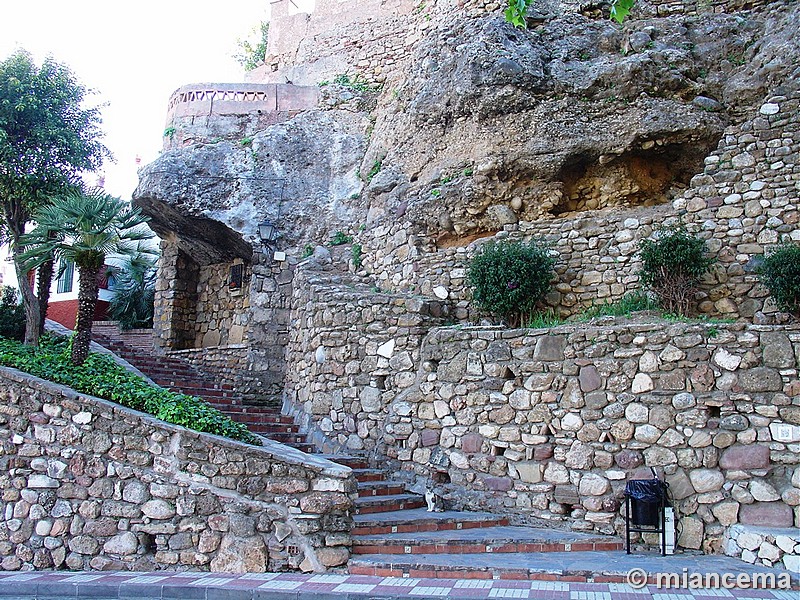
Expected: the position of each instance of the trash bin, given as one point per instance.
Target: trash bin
(646, 501)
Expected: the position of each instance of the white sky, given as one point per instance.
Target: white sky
(134, 54)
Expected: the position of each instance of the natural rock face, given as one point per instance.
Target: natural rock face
(156, 496)
(300, 174)
(570, 115)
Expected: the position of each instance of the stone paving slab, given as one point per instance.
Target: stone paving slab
(61, 585)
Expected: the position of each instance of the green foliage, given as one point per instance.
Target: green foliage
(307, 251)
(630, 303)
(246, 141)
(780, 274)
(85, 228)
(12, 315)
(357, 253)
(357, 83)
(134, 292)
(100, 376)
(376, 168)
(49, 137)
(340, 238)
(515, 12)
(673, 261)
(436, 192)
(508, 278)
(252, 52)
(169, 132)
(544, 320)
(620, 9)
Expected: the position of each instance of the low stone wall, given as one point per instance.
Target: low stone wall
(743, 204)
(351, 351)
(766, 545)
(87, 484)
(551, 424)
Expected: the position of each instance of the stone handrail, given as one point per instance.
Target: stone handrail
(199, 99)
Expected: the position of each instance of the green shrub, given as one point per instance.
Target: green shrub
(12, 315)
(780, 274)
(100, 376)
(508, 278)
(134, 292)
(673, 261)
(357, 253)
(339, 238)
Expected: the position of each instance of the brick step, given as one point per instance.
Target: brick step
(484, 540)
(393, 502)
(367, 475)
(597, 567)
(420, 520)
(367, 489)
(288, 439)
(354, 462)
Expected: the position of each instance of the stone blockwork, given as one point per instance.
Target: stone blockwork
(351, 351)
(221, 311)
(547, 426)
(765, 545)
(743, 203)
(88, 484)
(238, 335)
(552, 423)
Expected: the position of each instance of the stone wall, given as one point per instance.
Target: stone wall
(351, 351)
(175, 303)
(743, 203)
(551, 424)
(238, 336)
(88, 484)
(221, 312)
(766, 545)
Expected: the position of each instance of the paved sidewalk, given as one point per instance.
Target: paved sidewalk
(61, 585)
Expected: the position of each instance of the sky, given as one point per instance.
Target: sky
(134, 55)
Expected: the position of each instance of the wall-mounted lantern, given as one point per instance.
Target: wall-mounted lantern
(267, 232)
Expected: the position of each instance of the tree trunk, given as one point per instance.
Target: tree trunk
(87, 300)
(29, 302)
(43, 291)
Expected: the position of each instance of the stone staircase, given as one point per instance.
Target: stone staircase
(394, 534)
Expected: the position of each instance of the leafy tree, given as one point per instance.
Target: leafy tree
(134, 292)
(673, 261)
(508, 278)
(89, 227)
(252, 54)
(780, 274)
(47, 139)
(12, 317)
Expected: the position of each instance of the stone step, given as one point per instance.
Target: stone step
(354, 462)
(367, 475)
(487, 540)
(393, 502)
(380, 488)
(598, 567)
(420, 520)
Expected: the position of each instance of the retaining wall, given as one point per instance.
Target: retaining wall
(87, 484)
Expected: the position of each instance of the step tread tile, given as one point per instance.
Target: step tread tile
(497, 535)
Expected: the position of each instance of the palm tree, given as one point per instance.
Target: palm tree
(88, 226)
(134, 292)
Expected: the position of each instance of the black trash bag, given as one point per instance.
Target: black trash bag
(646, 496)
(645, 490)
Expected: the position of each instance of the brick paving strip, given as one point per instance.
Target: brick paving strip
(62, 585)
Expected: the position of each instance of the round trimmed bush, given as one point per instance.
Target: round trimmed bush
(673, 261)
(780, 274)
(508, 278)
